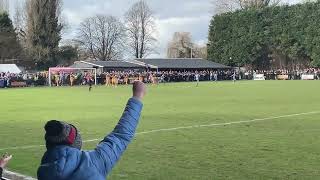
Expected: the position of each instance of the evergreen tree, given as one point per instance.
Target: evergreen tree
(9, 46)
(43, 31)
(257, 37)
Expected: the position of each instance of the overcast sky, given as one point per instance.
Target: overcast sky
(171, 16)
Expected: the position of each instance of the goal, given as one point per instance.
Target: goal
(62, 76)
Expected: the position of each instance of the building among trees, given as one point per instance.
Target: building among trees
(155, 64)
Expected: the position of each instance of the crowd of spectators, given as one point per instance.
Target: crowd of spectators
(127, 77)
(8, 79)
(159, 76)
(274, 74)
(114, 77)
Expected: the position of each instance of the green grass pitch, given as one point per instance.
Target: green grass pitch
(283, 148)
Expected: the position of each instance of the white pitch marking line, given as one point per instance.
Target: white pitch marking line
(228, 123)
(10, 173)
(22, 147)
(183, 127)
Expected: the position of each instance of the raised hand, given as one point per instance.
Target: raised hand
(139, 90)
(4, 160)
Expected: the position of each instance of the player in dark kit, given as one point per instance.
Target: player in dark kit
(89, 81)
(90, 85)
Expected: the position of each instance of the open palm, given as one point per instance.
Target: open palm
(4, 160)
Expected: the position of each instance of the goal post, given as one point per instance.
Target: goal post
(69, 70)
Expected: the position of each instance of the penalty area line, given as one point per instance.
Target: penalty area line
(182, 127)
(229, 123)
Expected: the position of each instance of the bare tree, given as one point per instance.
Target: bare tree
(140, 29)
(182, 46)
(103, 37)
(4, 6)
(232, 5)
(20, 21)
(258, 3)
(220, 7)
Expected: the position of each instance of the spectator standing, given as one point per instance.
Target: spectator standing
(64, 159)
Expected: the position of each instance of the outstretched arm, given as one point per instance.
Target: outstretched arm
(108, 152)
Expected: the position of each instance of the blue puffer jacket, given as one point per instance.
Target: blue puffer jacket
(67, 163)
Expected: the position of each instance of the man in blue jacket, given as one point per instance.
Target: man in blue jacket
(64, 159)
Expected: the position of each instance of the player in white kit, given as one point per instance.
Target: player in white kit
(234, 78)
(197, 77)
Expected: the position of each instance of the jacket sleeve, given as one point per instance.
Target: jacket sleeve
(108, 152)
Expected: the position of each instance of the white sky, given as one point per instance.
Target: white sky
(171, 16)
